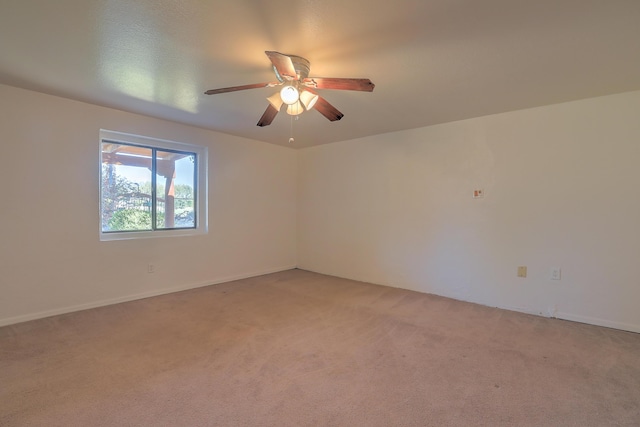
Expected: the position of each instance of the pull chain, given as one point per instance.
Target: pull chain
(291, 140)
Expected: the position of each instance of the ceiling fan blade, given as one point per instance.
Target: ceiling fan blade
(268, 116)
(283, 64)
(236, 88)
(364, 85)
(328, 110)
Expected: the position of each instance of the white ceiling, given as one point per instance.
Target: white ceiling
(432, 61)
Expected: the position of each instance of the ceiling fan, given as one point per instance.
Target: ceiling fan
(297, 93)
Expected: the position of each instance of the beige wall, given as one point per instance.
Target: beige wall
(561, 190)
(395, 209)
(51, 258)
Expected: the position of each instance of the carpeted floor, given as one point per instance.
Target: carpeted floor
(303, 349)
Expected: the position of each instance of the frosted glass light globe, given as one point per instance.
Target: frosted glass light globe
(289, 95)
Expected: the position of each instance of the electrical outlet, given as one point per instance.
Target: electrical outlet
(556, 274)
(151, 268)
(522, 271)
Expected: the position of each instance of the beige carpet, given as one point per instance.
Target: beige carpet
(302, 349)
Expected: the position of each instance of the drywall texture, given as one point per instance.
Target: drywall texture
(51, 258)
(561, 191)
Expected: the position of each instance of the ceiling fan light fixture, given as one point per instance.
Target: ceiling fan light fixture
(276, 101)
(308, 99)
(289, 95)
(295, 109)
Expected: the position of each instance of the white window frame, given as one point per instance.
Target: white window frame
(201, 191)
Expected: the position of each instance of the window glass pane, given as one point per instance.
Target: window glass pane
(175, 189)
(151, 187)
(126, 187)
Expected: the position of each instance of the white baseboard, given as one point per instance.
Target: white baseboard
(48, 313)
(543, 313)
(111, 301)
(598, 322)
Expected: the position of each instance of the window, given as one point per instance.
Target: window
(151, 187)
